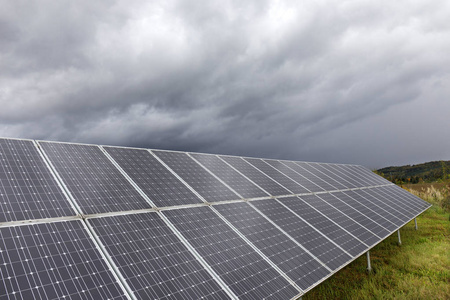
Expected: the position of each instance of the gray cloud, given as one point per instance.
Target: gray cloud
(318, 81)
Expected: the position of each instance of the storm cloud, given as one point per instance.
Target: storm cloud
(349, 81)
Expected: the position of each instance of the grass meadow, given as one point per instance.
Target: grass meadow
(418, 269)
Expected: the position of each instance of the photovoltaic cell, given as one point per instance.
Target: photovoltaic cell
(355, 211)
(94, 182)
(391, 204)
(322, 204)
(297, 167)
(276, 175)
(308, 237)
(279, 248)
(28, 190)
(249, 246)
(154, 179)
(324, 225)
(308, 184)
(234, 179)
(381, 207)
(153, 261)
(209, 187)
(53, 261)
(373, 178)
(368, 208)
(247, 274)
(409, 198)
(406, 209)
(345, 174)
(256, 176)
(312, 168)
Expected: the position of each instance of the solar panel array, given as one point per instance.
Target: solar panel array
(91, 222)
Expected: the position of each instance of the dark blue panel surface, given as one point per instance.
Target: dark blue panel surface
(356, 211)
(388, 204)
(384, 209)
(374, 212)
(95, 183)
(338, 180)
(308, 237)
(276, 175)
(153, 261)
(322, 204)
(53, 261)
(256, 176)
(198, 178)
(308, 184)
(279, 248)
(418, 204)
(371, 176)
(247, 274)
(28, 190)
(314, 169)
(324, 225)
(346, 174)
(154, 179)
(297, 167)
(342, 175)
(230, 176)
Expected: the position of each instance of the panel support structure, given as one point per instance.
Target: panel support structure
(369, 267)
(399, 239)
(415, 223)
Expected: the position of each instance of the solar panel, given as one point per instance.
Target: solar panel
(345, 174)
(392, 205)
(28, 189)
(209, 187)
(153, 261)
(126, 223)
(311, 239)
(279, 248)
(305, 173)
(279, 177)
(407, 197)
(247, 274)
(356, 211)
(231, 177)
(154, 179)
(95, 183)
(380, 206)
(308, 184)
(256, 176)
(312, 168)
(376, 213)
(331, 230)
(321, 203)
(372, 178)
(54, 261)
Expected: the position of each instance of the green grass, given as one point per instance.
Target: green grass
(418, 269)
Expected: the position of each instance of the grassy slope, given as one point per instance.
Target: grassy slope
(418, 269)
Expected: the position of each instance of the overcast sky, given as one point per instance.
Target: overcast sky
(363, 82)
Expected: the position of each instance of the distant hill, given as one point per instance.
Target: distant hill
(426, 172)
